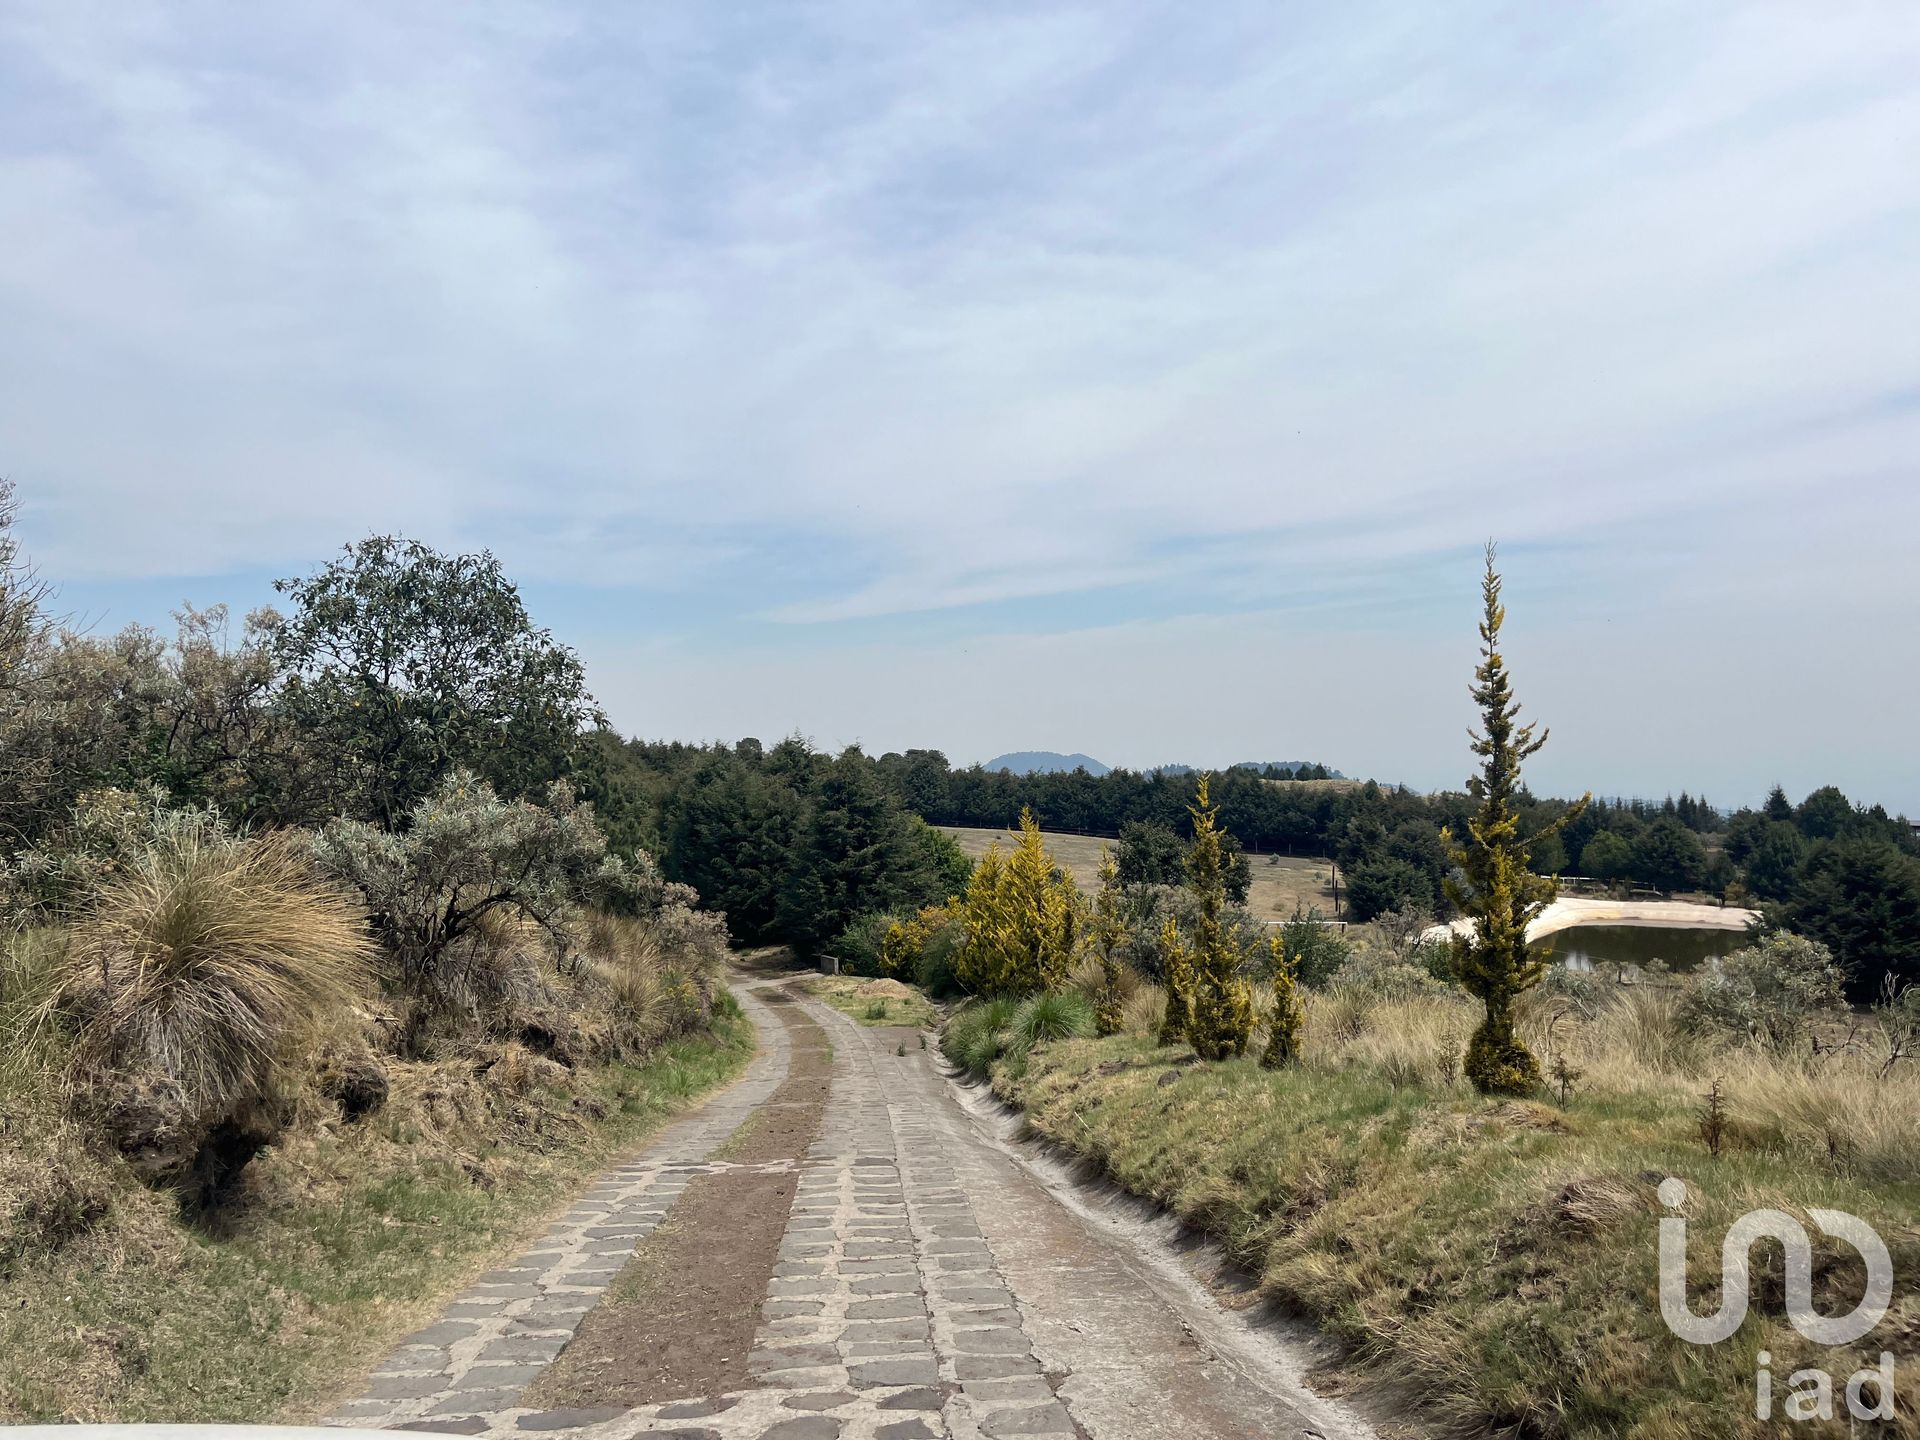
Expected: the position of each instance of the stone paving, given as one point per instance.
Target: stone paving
(501, 1332)
(896, 1309)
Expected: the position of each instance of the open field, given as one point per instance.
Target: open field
(1281, 883)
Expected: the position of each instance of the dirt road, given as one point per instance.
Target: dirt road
(843, 1245)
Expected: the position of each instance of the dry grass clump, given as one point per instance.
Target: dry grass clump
(194, 980)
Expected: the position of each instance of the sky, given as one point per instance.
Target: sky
(1141, 380)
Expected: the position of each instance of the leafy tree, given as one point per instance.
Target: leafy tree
(1669, 856)
(1773, 867)
(1150, 854)
(944, 859)
(1222, 1002)
(401, 664)
(1861, 899)
(1607, 857)
(1020, 920)
(1501, 894)
(1312, 949)
(1549, 855)
(1107, 932)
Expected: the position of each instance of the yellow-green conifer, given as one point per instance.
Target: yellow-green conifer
(1222, 1000)
(1020, 917)
(1108, 932)
(1501, 894)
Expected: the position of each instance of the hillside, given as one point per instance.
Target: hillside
(1045, 762)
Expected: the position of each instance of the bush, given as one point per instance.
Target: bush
(1773, 993)
(861, 947)
(1005, 1029)
(1314, 948)
(195, 978)
(465, 896)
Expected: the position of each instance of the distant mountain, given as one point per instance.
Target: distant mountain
(1332, 774)
(1044, 762)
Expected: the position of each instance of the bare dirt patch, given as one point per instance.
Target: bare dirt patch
(680, 1319)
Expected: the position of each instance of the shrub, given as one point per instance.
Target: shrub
(1007, 1029)
(1773, 993)
(196, 976)
(861, 946)
(1313, 948)
(464, 896)
(971, 1039)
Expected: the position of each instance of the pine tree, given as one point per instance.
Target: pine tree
(1288, 1015)
(1108, 932)
(1501, 894)
(1176, 975)
(1021, 915)
(1222, 1020)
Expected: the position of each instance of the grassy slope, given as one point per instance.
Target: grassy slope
(1501, 1257)
(354, 1236)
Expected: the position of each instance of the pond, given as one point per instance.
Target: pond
(1582, 947)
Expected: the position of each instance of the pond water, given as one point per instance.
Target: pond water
(1583, 947)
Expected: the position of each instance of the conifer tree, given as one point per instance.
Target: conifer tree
(1108, 932)
(1176, 976)
(1288, 1015)
(1020, 918)
(1222, 1000)
(1501, 894)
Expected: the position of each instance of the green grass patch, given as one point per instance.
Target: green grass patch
(353, 1235)
(875, 1002)
(1499, 1256)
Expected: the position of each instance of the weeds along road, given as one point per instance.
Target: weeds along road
(835, 1246)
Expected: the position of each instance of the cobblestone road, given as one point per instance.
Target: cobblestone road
(926, 1286)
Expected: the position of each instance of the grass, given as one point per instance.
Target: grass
(1499, 1256)
(1004, 1032)
(352, 1234)
(1281, 883)
(875, 1002)
(200, 973)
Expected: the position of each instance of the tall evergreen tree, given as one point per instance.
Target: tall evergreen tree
(1107, 931)
(1501, 894)
(1222, 1018)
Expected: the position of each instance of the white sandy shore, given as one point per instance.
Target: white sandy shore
(1572, 910)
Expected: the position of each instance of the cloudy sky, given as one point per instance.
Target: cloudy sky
(1133, 379)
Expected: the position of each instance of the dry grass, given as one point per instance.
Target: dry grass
(348, 1232)
(209, 962)
(1500, 1256)
(1281, 883)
